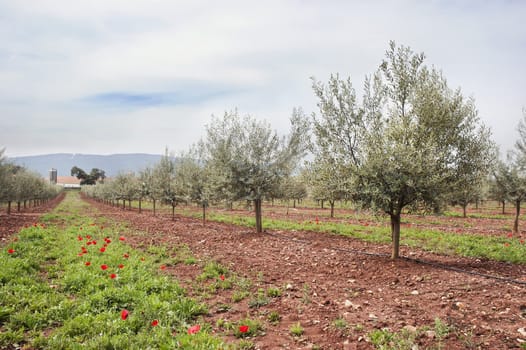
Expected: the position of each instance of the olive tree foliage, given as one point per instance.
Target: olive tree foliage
(19, 185)
(291, 188)
(328, 181)
(247, 159)
(406, 146)
(510, 177)
(125, 187)
(510, 184)
(166, 183)
(192, 176)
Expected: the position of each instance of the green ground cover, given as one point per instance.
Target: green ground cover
(71, 282)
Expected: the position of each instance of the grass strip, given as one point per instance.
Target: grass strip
(69, 282)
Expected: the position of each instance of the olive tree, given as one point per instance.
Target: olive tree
(404, 146)
(247, 159)
(166, 183)
(192, 175)
(328, 181)
(510, 180)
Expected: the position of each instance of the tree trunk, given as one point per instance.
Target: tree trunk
(294, 203)
(322, 204)
(17, 206)
(204, 214)
(464, 206)
(503, 207)
(517, 213)
(8, 207)
(332, 208)
(154, 207)
(129, 204)
(257, 205)
(395, 234)
(140, 208)
(124, 204)
(25, 204)
(173, 212)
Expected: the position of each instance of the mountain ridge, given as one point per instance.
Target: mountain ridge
(112, 164)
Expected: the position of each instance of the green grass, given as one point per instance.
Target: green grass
(499, 248)
(51, 298)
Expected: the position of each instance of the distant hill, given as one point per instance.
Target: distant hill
(112, 164)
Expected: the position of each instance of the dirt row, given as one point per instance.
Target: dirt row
(327, 278)
(11, 224)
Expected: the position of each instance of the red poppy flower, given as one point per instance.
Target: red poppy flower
(104, 266)
(121, 266)
(87, 263)
(11, 251)
(88, 237)
(107, 240)
(103, 249)
(126, 255)
(35, 224)
(243, 329)
(155, 323)
(80, 254)
(163, 267)
(121, 238)
(94, 242)
(113, 276)
(222, 277)
(510, 235)
(194, 329)
(80, 238)
(522, 241)
(506, 244)
(124, 314)
(88, 243)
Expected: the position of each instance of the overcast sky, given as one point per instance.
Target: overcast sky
(121, 76)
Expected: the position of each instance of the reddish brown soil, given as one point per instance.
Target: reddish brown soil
(12, 223)
(327, 277)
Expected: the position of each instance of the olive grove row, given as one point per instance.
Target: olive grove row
(20, 186)
(410, 143)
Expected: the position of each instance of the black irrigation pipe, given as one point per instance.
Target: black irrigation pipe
(418, 261)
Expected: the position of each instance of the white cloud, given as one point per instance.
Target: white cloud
(213, 56)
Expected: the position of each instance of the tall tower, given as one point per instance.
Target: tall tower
(53, 176)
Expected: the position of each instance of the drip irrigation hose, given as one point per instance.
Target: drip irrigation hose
(418, 261)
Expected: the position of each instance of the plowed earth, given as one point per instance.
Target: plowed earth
(328, 277)
(11, 224)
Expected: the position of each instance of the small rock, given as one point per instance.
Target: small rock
(415, 292)
(410, 329)
(431, 334)
(349, 304)
(522, 331)
(459, 305)
(373, 317)
(288, 286)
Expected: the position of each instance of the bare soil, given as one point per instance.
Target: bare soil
(12, 223)
(326, 277)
